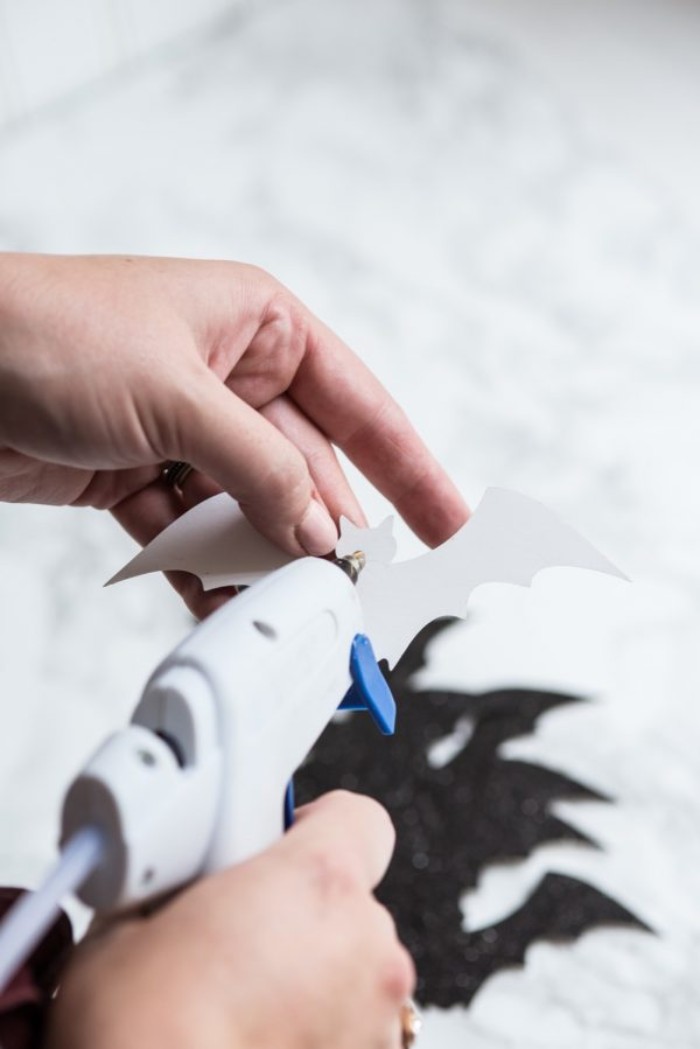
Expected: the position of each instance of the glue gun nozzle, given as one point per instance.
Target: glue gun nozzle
(352, 564)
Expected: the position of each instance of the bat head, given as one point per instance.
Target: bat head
(377, 544)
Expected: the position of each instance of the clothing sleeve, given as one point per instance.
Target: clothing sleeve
(25, 1001)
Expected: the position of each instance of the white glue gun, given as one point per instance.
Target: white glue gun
(197, 780)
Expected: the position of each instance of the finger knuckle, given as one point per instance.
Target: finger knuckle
(289, 323)
(288, 311)
(397, 974)
(397, 978)
(259, 274)
(331, 876)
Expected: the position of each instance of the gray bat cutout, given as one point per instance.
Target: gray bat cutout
(213, 541)
(508, 539)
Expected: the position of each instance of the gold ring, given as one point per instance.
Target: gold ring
(176, 473)
(411, 1023)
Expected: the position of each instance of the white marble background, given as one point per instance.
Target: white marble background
(494, 201)
(50, 51)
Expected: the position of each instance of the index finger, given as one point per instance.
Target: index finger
(342, 396)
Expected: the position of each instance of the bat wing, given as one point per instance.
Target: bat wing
(508, 539)
(213, 541)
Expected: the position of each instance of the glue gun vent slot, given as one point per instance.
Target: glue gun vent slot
(265, 629)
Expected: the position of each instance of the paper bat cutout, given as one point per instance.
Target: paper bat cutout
(456, 816)
(508, 539)
(217, 543)
(213, 541)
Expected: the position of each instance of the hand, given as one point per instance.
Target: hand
(111, 366)
(287, 951)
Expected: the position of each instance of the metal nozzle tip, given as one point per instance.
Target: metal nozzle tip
(352, 564)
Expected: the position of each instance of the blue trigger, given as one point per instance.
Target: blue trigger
(369, 690)
(289, 805)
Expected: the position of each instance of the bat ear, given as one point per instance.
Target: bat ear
(350, 537)
(384, 543)
(378, 544)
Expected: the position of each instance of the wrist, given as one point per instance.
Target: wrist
(13, 279)
(14, 269)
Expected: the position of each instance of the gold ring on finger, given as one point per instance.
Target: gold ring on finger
(176, 473)
(411, 1023)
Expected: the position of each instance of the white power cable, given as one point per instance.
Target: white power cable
(34, 913)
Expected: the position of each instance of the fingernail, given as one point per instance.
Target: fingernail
(317, 533)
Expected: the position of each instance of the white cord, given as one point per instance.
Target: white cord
(34, 913)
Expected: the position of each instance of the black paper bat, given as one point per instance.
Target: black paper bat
(455, 819)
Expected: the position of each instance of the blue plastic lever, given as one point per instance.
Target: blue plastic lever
(369, 690)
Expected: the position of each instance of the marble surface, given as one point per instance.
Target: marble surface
(49, 51)
(457, 202)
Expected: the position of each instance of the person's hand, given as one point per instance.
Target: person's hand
(111, 366)
(289, 950)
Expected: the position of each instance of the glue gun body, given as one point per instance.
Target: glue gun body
(196, 782)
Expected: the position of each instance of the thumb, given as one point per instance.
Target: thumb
(239, 449)
(353, 829)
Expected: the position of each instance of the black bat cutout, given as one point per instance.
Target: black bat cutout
(454, 820)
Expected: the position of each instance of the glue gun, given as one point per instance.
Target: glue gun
(197, 781)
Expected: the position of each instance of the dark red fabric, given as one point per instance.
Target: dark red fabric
(24, 1003)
